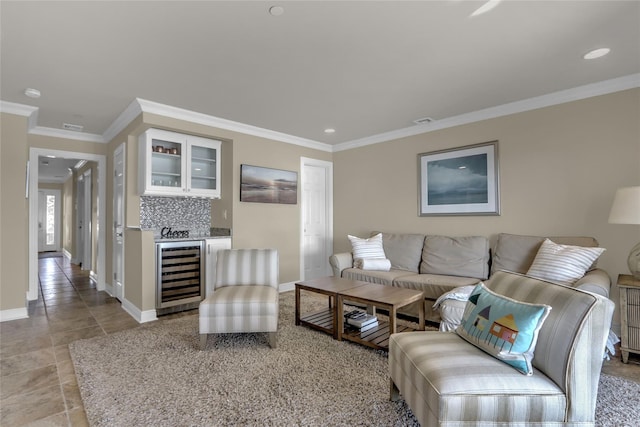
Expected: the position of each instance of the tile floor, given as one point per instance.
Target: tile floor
(37, 383)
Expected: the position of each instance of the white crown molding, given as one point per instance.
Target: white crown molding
(204, 119)
(139, 106)
(556, 98)
(123, 120)
(17, 109)
(66, 134)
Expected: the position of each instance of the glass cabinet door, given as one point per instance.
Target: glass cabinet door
(178, 165)
(166, 163)
(203, 168)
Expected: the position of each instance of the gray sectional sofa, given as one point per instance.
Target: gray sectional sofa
(440, 264)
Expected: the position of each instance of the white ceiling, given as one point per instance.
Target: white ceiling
(363, 68)
(55, 170)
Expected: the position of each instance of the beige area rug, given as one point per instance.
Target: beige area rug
(155, 375)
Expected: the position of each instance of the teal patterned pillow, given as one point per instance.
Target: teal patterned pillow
(503, 327)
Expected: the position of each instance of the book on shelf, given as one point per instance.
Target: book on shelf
(359, 319)
(369, 326)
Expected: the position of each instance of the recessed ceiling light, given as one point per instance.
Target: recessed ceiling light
(329, 130)
(276, 10)
(32, 93)
(597, 53)
(486, 7)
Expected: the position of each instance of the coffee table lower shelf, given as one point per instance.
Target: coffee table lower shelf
(376, 337)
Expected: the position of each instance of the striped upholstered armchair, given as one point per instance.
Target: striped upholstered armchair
(245, 297)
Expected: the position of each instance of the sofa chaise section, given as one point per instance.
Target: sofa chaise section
(449, 382)
(516, 253)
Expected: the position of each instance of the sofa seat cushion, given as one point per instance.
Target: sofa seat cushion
(375, 276)
(466, 384)
(433, 285)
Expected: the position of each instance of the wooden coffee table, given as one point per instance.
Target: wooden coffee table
(326, 319)
(385, 297)
(339, 290)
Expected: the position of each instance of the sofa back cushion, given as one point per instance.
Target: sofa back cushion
(456, 256)
(516, 252)
(570, 324)
(403, 250)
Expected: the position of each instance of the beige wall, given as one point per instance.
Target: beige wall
(256, 225)
(14, 212)
(264, 225)
(140, 273)
(559, 169)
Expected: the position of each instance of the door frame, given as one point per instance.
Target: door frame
(328, 166)
(79, 205)
(101, 160)
(87, 221)
(118, 291)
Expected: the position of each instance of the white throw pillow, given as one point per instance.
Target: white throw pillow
(367, 248)
(563, 264)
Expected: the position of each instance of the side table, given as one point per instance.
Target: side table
(629, 315)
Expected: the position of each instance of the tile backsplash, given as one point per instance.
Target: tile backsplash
(179, 213)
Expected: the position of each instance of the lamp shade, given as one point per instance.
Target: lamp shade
(626, 206)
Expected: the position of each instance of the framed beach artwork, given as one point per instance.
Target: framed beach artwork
(266, 185)
(459, 181)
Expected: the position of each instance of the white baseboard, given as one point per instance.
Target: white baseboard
(13, 314)
(136, 313)
(285, 287)
(66, 254)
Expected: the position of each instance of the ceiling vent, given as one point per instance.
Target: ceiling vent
(75, 128)
(423, 121)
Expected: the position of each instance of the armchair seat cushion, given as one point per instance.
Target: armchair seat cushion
(244, 308)
(454, 382)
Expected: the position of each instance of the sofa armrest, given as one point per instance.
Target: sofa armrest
(596, 281)
(340, 261)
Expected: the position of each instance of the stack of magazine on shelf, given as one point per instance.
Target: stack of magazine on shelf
(360, 320)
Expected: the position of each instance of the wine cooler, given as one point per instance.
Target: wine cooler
(180, 275)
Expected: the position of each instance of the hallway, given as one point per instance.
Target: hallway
(38, 382)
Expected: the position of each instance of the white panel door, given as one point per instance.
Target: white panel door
(118, 223)
(317, 212)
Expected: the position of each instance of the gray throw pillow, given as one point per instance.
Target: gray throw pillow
(456, 256)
